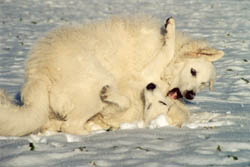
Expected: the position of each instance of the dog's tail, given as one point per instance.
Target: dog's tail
(22, 120)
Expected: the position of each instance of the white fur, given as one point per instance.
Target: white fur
(67, 69)
(160, 111)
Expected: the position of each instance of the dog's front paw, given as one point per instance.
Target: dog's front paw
(111, 95)
(170, 27)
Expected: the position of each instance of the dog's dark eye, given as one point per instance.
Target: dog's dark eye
(193, 72)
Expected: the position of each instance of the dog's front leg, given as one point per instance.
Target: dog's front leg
(153, 71)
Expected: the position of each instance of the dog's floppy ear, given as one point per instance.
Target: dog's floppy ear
(210, 54)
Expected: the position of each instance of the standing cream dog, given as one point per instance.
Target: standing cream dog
(74, 73)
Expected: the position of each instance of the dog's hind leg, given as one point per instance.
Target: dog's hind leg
(111, 95)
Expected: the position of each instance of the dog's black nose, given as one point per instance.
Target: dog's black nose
(190, 95)
(151, 86)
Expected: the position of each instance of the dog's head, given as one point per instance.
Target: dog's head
(193, 72)
(153, 95)
(155, 104)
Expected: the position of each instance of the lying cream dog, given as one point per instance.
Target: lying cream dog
(159, 111)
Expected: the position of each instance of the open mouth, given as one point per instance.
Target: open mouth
(174, 93)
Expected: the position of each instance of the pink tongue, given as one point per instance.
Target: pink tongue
(173, 95)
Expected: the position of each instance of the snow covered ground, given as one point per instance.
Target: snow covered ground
(220, 134)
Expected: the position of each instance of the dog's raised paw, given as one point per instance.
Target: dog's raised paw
(111, 95)
(170, 25)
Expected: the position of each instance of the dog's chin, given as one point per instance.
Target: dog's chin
(174, 93)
